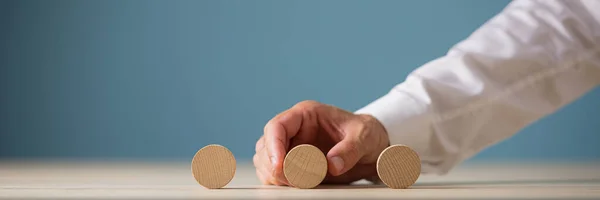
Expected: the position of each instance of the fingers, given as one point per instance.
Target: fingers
(276, 142)
(260, 144)
(267, 179)
(278, 133)
(364, 140)
(264, 170)
(302, 123)
(344, 155)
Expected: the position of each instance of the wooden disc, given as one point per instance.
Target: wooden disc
(213, 166)
(305, 166)
(398, 166)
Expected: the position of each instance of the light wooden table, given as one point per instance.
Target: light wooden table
(121, 180)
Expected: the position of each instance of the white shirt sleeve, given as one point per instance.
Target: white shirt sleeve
(531, 59)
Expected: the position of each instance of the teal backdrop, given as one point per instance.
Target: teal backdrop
(130, 79)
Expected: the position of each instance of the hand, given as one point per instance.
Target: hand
(352, 143)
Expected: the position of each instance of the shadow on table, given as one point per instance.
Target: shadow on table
(361, 186)
(440, 185)
(325, 186)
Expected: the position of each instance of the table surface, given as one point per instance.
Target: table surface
(146, 180)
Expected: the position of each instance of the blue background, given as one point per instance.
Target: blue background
(160, 79)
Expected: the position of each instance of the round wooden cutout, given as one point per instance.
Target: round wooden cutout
(305, 166)
(213, 166)
(398, 166)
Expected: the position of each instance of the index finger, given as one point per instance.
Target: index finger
(278, 133)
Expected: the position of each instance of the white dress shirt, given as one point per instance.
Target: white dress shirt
(529, 60)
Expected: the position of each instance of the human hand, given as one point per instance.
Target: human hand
(352, 143)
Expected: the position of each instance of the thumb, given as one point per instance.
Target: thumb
(344, 155)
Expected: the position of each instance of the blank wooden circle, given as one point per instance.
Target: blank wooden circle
(398, 166)
(213, 166)
(305, 166)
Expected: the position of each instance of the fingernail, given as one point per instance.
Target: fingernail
(338, 163)
(273, 161)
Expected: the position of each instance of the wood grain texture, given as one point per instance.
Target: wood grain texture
(213, 166)
(398, 166)
(305, 166)
(60, 179)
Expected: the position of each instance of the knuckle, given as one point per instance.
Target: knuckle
(255, 160)
(266, 127)
(259, 144)
(308, 104)
(274, 120)
(270, 123)
(363, 131)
